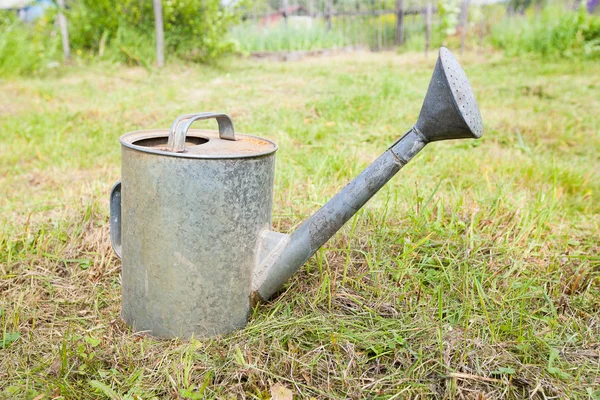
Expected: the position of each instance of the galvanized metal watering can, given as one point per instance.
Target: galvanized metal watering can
(191, 217)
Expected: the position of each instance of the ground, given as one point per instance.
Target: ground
(475, 273)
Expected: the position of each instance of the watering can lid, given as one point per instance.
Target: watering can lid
(183, 142)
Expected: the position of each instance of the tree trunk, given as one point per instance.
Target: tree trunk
(464, 23)
(328, 12)
(160, 35)
(428, 15)
(399, 22)
(64, 32)
(285, 11)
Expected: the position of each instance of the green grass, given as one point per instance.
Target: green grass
(556, 32)
(27, 50)
(253, 38)
(474, 272)
(376, 33)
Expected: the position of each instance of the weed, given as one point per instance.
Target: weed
(554, 33)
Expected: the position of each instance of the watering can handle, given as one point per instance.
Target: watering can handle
(115, 218)
(181, 125)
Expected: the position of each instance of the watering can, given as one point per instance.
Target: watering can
(191, 216)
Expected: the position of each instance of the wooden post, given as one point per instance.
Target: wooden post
(538, 8)
(64, 32)
(311, 8)
(464, 23)
(285, 11)
(399, 22)
(354, 20)
(328, 12)
(428, 14)
(160, 35)
(482, 28)
(379, 29)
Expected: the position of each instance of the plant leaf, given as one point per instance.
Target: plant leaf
(92, 341)
(105, 389)
(504, 371)
(8, 338)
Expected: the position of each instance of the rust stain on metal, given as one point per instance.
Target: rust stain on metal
(200, 144)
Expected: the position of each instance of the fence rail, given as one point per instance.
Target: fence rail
(359, 26)
(337, 13)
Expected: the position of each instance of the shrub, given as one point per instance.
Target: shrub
(28, 49)
(120, 31)
(555, 33)
(194, 29)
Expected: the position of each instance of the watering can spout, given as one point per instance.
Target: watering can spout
(449, 111)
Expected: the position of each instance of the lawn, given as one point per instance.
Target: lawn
(475, 273)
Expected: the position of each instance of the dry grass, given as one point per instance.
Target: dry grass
(475, 274)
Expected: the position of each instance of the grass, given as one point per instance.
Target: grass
(27, 50)
(475, 273)
(553, 33)
(254, 38)
(376, 33)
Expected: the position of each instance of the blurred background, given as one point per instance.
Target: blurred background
(204, 30)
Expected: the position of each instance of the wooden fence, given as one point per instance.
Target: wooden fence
(386, 37)
(329, 14)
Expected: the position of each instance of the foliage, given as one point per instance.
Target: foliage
(448, 11)
(555, 33)
(522, 5)
(26, 50)
(194, 29)
(253, 38)
(337, 4)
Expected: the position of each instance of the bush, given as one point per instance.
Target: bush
(120, 31)
(555, 33)
(194, 29)
(28, 49)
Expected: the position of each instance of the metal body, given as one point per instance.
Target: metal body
(192, 217)
(189, 228)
